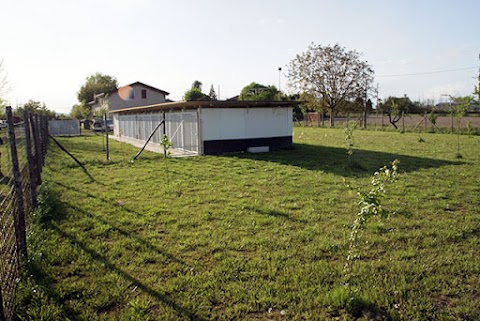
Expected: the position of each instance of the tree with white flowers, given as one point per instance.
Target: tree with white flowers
(330, 73)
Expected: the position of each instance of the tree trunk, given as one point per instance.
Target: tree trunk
(393, 120)
(332, 124)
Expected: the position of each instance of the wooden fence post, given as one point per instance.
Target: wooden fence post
(451, 127)
(39, 135)
(2, 314)
(36, 140)
(44, 127)
(31, 165)
(425, 118)
(19, 213)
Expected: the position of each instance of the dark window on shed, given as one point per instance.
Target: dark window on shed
(144, 93)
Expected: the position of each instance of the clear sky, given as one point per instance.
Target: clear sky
(49, 47)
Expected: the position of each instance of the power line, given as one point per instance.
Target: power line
(426, 72)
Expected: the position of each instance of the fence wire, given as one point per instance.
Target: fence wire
(17, 200)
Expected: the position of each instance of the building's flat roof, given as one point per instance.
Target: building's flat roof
(208, 104)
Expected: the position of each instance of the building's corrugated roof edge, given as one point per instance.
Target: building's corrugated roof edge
(208, 104)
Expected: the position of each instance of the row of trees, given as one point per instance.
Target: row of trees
(253, 91)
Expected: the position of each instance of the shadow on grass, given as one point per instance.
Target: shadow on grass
(53, 212)
(105, 200)
(335, 160)
(115, 228)
(273, 213)
(121, 231)
(110, 266)
(39, 276)
(91, 145)
(356, 306)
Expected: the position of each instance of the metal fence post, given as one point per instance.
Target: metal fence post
(19, 213)
(106, 136)
(164, 133)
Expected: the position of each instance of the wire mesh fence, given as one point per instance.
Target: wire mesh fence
(23, 145)
(181, 127)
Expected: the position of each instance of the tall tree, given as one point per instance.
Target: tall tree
(96, 84)
(259, 92)
(197, 84)
(332, 73)
(212, 94)
(195, 93)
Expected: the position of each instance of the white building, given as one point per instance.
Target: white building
(208, 127)
(136, 94)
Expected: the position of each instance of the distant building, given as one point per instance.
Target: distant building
(133, 95)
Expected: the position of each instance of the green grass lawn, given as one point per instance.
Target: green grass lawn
(257, 236)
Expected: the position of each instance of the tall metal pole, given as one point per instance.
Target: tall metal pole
(106, 136)
(279, 79)
(365, 110)
(164, 133)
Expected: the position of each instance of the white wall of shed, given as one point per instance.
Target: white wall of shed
(245, 123)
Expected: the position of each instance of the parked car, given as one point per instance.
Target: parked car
(110, 124)
(98, 125)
